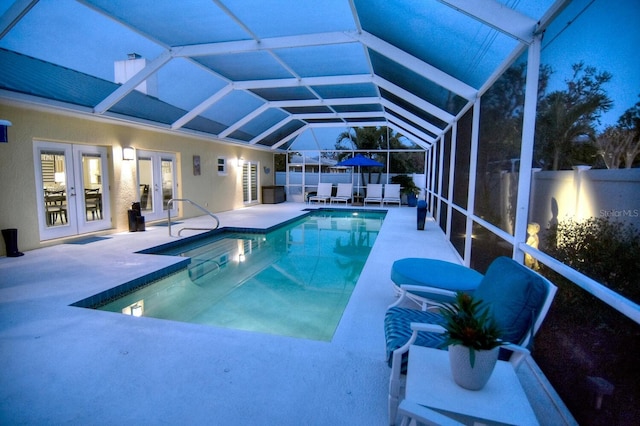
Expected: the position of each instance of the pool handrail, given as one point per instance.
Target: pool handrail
(186, 200)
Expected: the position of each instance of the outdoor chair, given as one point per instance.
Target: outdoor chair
(344, 194)
(323, 194)
(418, 276)
(391, 194)
(518, 297)
(374, 193)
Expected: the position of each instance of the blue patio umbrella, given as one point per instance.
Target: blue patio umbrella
(360, 161)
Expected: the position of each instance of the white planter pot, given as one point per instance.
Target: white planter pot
(472, 378)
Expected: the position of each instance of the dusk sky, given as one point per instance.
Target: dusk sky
(602, 33)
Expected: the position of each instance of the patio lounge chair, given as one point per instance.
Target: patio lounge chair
(323, 194)
(374, 193)
(518, 297)
(345, 193)
(391, 194)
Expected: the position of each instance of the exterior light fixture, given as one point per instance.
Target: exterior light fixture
(4, 125)
(136, 310)
(240, 162)
(128, 153)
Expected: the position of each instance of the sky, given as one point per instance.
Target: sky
(604, 34)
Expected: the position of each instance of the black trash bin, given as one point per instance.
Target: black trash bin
(136, 220)
(133, 220)
(10, 236)
(422, 214)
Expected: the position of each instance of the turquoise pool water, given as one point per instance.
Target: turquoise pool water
(294, 281)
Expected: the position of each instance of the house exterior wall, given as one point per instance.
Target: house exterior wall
(18, 204)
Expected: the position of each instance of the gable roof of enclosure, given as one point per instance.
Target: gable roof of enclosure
(264, 73)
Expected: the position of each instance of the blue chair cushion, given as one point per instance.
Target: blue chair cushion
(397, 330)
(435, 273)
(516, 295)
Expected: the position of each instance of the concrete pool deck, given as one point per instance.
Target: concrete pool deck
(68, 365)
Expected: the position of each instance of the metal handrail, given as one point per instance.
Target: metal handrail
(186, 200)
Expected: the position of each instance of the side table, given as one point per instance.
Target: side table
(430, 383)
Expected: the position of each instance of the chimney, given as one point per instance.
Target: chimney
(124, 70)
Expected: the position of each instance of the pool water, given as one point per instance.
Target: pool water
(294, 281)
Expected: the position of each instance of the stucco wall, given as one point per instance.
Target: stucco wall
(18, 204)
(581, 194)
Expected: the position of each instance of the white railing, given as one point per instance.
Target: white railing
(186, 200)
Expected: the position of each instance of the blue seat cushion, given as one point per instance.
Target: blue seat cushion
(435, 273)
(515, 295)
(397, 330)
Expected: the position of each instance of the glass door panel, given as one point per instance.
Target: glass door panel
(157, 183)
(167, 181)
(146, 184)
(93, 211)
(54, 179)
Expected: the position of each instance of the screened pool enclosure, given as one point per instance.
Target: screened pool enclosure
(453, 93)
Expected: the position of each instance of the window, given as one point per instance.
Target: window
(222, 166)
(249, 182)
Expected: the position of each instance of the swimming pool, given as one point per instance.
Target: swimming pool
(295, 280)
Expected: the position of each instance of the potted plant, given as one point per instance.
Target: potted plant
(473, 339)
(409, 188)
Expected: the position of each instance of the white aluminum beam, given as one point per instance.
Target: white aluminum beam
(133, 82)
(412, 117)
(418, 66)
(14, 14)
(247, 118)
(409, 128)
(413, 99)
(307, 81)
(526, 147)
(289, 137)
(270, 130)
(341, 115)
(243, 46)
(414, 138)
(203, 106)
(324, 102)
(497, 16)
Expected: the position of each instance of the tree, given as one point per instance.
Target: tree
(614, 144)
(567, 117)
(374, 139)
(630, 122)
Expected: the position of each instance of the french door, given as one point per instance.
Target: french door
(156, 183)
(72, 189)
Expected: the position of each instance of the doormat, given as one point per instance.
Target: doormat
(87, 240)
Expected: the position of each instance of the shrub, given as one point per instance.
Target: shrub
(606, 250)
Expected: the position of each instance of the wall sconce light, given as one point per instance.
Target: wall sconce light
(240, 162)
(128, 153)
(135, 309)
(241, 257)
(4, 125)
